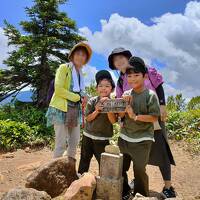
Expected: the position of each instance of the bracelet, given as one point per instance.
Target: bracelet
(135, 119)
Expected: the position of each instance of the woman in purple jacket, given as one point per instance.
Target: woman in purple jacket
(160, 155)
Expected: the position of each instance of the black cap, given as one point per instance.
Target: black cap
(104, 74)
(137, 64)
(118, 51)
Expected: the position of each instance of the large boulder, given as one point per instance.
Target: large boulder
(25, 194)
(53, 177)
(81, 189)
(140, 197)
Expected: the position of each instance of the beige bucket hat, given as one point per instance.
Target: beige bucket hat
(81, 44)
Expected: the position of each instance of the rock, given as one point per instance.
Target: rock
(25, 194)
(113, 149)
(109, 188)
(140, 197)
(81, 189)
(8, 155)
(27, 150)
(111, 165)
(53, 177)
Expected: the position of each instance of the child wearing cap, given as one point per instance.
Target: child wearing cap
(99, 126)
(137, 133)
(64, 108)
(160, 154)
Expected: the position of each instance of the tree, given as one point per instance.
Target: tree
(39, 49)
(175, 103)
(194, 103)
(91, 89)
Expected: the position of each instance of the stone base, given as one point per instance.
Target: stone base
(111, 166)
(109, 189)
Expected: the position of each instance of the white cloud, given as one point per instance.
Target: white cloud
(4, 49)
(173, 39)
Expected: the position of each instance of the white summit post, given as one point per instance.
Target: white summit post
(110, 181)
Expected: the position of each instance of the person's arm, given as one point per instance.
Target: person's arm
(142, 118)
(121, 114)
(161, 97)
(91, 116)
(59, 83)
(161, 94)
(112, 117)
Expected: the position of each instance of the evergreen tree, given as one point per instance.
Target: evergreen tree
(39, 49)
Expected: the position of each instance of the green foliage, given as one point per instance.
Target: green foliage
(194, 103)
(33, 118)
(185, 126)
(176, 103)
(39, 49)
(91, 89)
(14, 134)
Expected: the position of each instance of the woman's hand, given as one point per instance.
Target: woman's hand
(163, 113)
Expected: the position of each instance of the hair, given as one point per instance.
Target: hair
(80, 48)
(137, 68)
(108, 79)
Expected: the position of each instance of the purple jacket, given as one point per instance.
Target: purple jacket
(153, 81)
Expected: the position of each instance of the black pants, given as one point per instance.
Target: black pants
(90, 147)
(165, 170)
(139, 154)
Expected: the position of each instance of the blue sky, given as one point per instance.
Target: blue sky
(90, 12)
(172, 17)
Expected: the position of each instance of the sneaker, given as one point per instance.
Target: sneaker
(128, 196)
(131, 184)
(169, 192)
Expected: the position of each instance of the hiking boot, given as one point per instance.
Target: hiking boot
(169, 192)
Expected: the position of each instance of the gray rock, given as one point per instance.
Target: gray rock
(111, 165)
(53, 177)
(140, 197)
(109, 188)
(25, 194)
(113, 149)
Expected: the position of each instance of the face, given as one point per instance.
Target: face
(104, 88)
(120, 62)
(136, 80)
(79, 58)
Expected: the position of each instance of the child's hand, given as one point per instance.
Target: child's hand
(99, 107)
(128, 98)
(130, 112)
(103, 99)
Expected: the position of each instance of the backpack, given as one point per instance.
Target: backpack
(50, 91)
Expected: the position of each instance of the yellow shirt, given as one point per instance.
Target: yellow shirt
(62, 87)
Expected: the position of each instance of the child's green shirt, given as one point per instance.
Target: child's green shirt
(100, 128)
(144, 103)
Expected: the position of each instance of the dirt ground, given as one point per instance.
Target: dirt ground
(14, 168)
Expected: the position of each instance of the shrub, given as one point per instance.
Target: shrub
(14, 134)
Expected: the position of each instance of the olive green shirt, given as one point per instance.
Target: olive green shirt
(144, 103)
(100, 128)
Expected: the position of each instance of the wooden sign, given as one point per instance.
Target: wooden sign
(114, 105)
